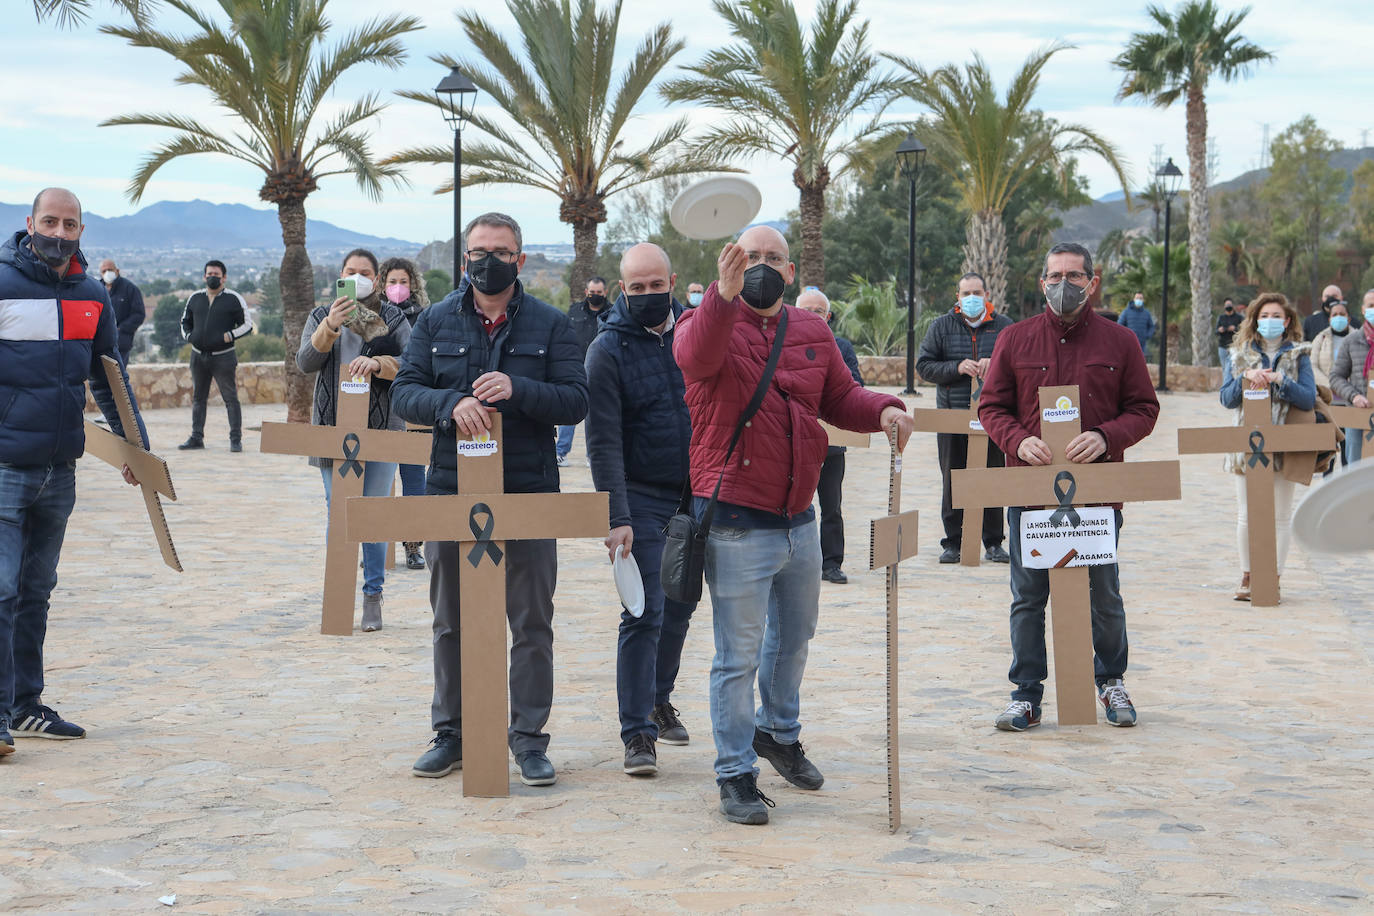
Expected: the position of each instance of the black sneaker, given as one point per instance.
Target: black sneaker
(640, 757)
(6, 739)
(44, 722)
(192, 442)
(834, 575)
(443, 757)
(235, 445)
(949, 555)
(741, 801)
(996, 554)
(670, 727)
(536, 769)
(789, 760)
(414, 558)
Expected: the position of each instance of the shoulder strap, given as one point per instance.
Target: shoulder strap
(774, 356)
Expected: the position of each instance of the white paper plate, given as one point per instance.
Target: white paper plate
(716, 208)
(627, 581)
(1338, 515)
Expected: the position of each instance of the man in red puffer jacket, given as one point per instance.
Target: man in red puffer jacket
(764, 550)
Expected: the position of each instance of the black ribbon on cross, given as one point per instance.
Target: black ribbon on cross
(351, 448)
(1369, 434)
(1257, 449)
(483, 534)
(1065, 497)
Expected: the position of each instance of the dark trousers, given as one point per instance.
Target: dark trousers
(531, 574)
(953, 452)
(220, 367)
(650, 647)
(1030, 590)
(35, 503)
(829, 492)
(124, 353)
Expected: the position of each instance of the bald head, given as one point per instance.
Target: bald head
(56, 213)
(814, 301)
(764, 239)
(56, 198)
(642, 258)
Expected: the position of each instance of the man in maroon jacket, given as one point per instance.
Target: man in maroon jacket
(1067, 344)
(763, 557)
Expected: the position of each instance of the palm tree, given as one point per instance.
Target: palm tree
(1237, 243)
(790, 97)
(270, 69)
(1176, 61)
(69, 13)
(571, 131)
(993, 146)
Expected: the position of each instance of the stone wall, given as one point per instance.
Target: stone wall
(158, 385)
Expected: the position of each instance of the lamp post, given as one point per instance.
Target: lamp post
(457, 95)
(1169, 178)
(910, 156)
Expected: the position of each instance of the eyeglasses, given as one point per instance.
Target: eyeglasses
(772, 260)
(1074, 276)
(502, 255)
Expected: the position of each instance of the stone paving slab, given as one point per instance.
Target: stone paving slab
(246, 763)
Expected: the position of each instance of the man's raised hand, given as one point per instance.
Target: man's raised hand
(731, 265)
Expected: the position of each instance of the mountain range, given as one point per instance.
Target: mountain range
(200, 225)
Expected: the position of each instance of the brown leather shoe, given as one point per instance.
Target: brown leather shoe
(1243, 593)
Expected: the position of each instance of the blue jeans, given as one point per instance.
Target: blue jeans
(1354, 444)
(650, 647)
(765, 593)
(1223, 354)
(1030, 590)
(377, 478)
(412, 480)
(565, 439)
(35, 502)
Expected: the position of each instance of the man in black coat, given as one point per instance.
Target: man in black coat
(638, 431)
(955, 356)
(127, 301)
(486, 348)
(830, 489)
(586, 317)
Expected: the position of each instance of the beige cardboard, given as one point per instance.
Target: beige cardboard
(485, 517)
(151, 471)
(337, 442)
(1104, 482)
(1361, 418)
(846, 437)
(892, 539)
(958, 422)
(1259, 480)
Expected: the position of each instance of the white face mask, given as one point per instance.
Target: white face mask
(364, 285)
(109, 277)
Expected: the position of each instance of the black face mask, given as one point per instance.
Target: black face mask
(596, 300)
(763, 286)
(55, 252)
(213, 282)
(651, 309)
(491, 275)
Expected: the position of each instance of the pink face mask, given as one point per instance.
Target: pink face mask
(397, 293)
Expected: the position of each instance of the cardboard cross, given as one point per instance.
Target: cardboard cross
(1259, 441)
(349, 443)
(962, 423)
(482, 515)
(845, 437)
(151, 471)
(1086, 484)
(893, 539)
(1360, 419)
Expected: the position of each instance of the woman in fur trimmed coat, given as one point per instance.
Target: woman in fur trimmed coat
(1268, 352)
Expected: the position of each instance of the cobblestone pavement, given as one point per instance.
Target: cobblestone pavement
(245, 763)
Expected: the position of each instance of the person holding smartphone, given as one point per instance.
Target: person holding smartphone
(362, 334)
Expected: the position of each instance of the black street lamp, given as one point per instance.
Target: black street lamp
(1169, 178)
(457, 95)
(910, 157)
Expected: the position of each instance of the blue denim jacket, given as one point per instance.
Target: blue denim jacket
(1300, 392)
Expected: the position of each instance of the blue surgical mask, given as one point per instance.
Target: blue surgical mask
(1368, 315)
(694, 299)
(1270, 328)
(1339, 323)
(1137, 302)
(973, 307)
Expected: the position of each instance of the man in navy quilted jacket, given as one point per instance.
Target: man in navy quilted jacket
(55, 323)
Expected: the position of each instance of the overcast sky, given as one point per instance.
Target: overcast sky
(60, 84)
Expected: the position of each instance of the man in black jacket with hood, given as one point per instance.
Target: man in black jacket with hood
(955, 355)
(489, 347)
(638, 431)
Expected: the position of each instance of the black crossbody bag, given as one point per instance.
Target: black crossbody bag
(684, 546)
